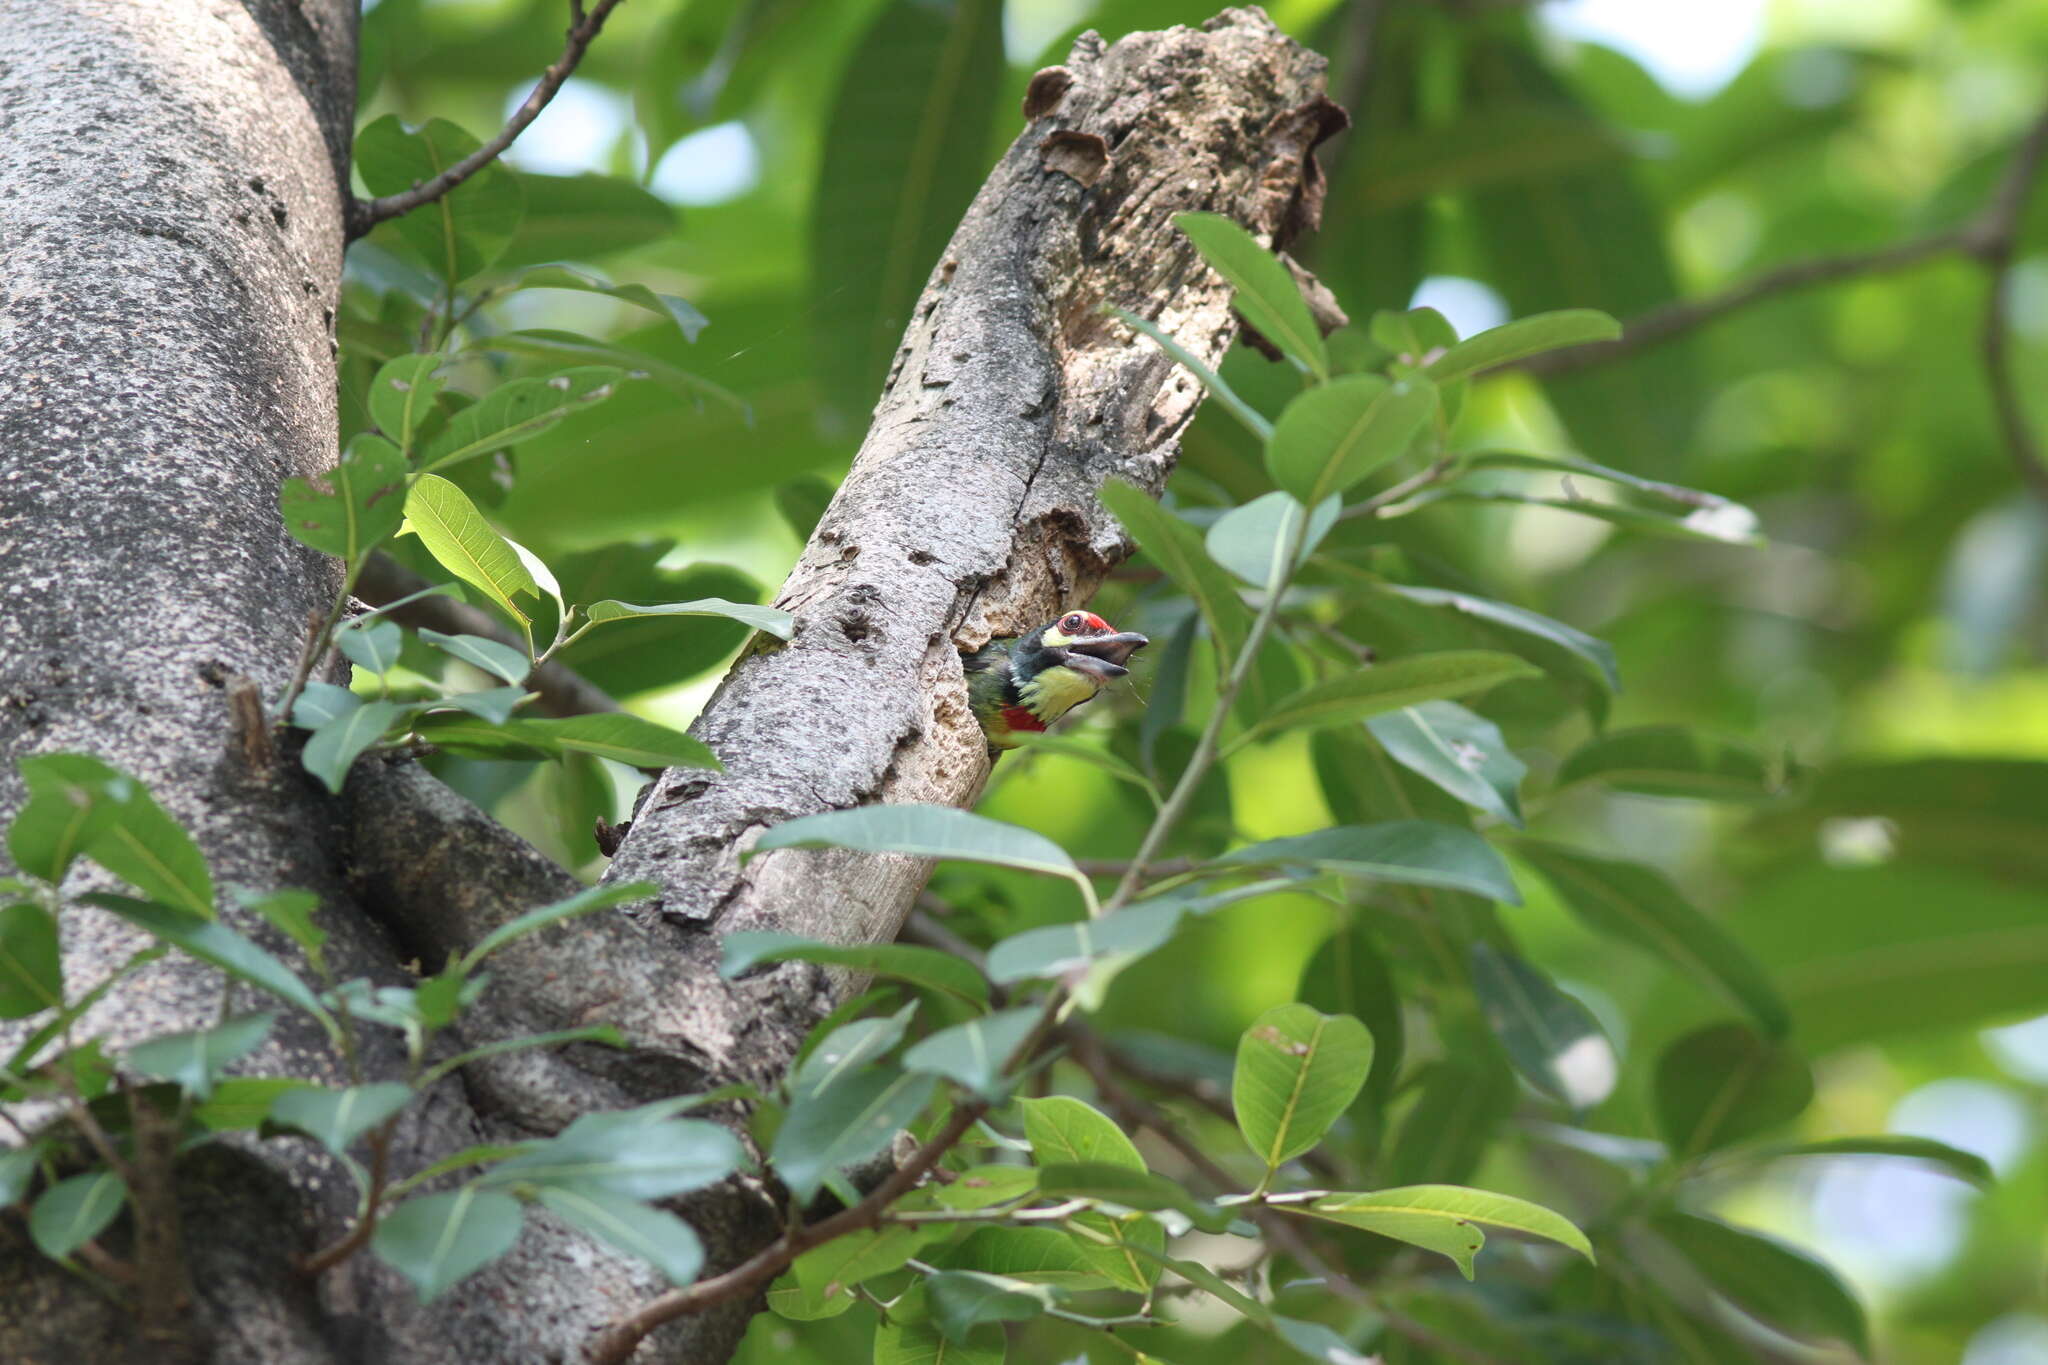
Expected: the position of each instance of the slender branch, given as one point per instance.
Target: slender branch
(364, 214)
(1996, 246)
(617, 1342)
(563, 691)
(359, 1236)
(1672, 320)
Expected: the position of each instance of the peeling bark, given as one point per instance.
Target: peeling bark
(171, 190)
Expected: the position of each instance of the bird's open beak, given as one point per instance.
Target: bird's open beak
(1105, 655)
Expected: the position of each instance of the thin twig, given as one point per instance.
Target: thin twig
(364, 214)
(1996, 244)
(618, 1341)
(359, 1236)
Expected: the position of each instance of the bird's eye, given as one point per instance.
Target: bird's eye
(1071, 623)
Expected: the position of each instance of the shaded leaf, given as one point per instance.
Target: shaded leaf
(900, 961)
(590, 900)
(1594, 652)
(354, 506)
(1725, 1082)
(962, 1300)
(1550, 1037)
(1391, 686)
(499, 660)
(514, 411)
(1251, 541)
(31, 963)
(1225, 396)
(1767, 1279)
(974, 1054)
(579, 217)
(925, 832)
(1957, 1162)
(653, 1235)
(1638, 905)
(403, 397)
(192, 1060)
(556, 275)
(620, 736)
(372, 647)
(1458, 750)
(213, 942)
(1177, 548)
(775, 621)
(1671, 760)
(437, 1240)
(464, 230)
(336, 1118)
(1412, 852)
(74, 1211)
(333, 748)
(844, 1124)
(642, 1153)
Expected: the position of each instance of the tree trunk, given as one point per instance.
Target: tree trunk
(172, 177)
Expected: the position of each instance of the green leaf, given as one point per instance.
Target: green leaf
(1251, 541)
(846, 1049)
(1727, 524)
(514, 411)
(1463, 1104)
(1297, 1070)
(72, 799)
(1319, 1343)
(1254, 421)
(1113, 1184)
(1586, 469)
(464, 230)
(558, 346)
(493, 705)
(605, 1034)
(404, 397)
(319, 702)
(1266, 295)
(654, 1235)
(1177, 548)
(243, 1103)
(1390, 687)
(1957, 1162)
(1671, 760)
(1594, 652)
(925, 832)
(80, 804)
(438, 1240)
(962, 1300)
(335, 746)
(926, 967)
(974, 1054)
(802, 502)
(193, 1060)
(775, 621)
(588, 901)
(1767, 1279)
(465, 544)
(844, 1124)
(1528, 336)
(354, 506)
(18, 1166)
(1042, 1255)
(72, 1212)
(651, 652)
(31, 963)
(619, 736)
(336, 1118)
(1058, 950)
(215, 943)
(1550, 1037)
(581, 217)
(1332, 437)
(642, 1153)
(1429, 1214)
(820, 1282)
(899, 1342)
(372, 647)
(905, 147)
(1459, 751)
(1064, 1131)
(681, 312)
(499, 660)
(1350, 975)
(1410, 852)
(468, 738)
(1638, 905)
(1725, 1082)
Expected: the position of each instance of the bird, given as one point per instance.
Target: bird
(1021, 685)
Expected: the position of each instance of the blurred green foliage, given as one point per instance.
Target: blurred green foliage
(1880, 653)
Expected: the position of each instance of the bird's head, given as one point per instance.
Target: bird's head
(1084, 642)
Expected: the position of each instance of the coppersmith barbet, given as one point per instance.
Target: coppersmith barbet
(1022, 685)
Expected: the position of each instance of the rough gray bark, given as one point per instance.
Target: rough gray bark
(170, 239)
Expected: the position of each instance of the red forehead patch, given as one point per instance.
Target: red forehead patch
(1094, 622)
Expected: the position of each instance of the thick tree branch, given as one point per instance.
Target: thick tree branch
(364, 214)
(563, 691)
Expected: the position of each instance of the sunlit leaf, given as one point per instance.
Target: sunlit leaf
(1266, 295)
(466, 545)
(1392, 686)
(925, 832)
(1523, 337)
(516, 410)
(771, 619)
(1297, 1070)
